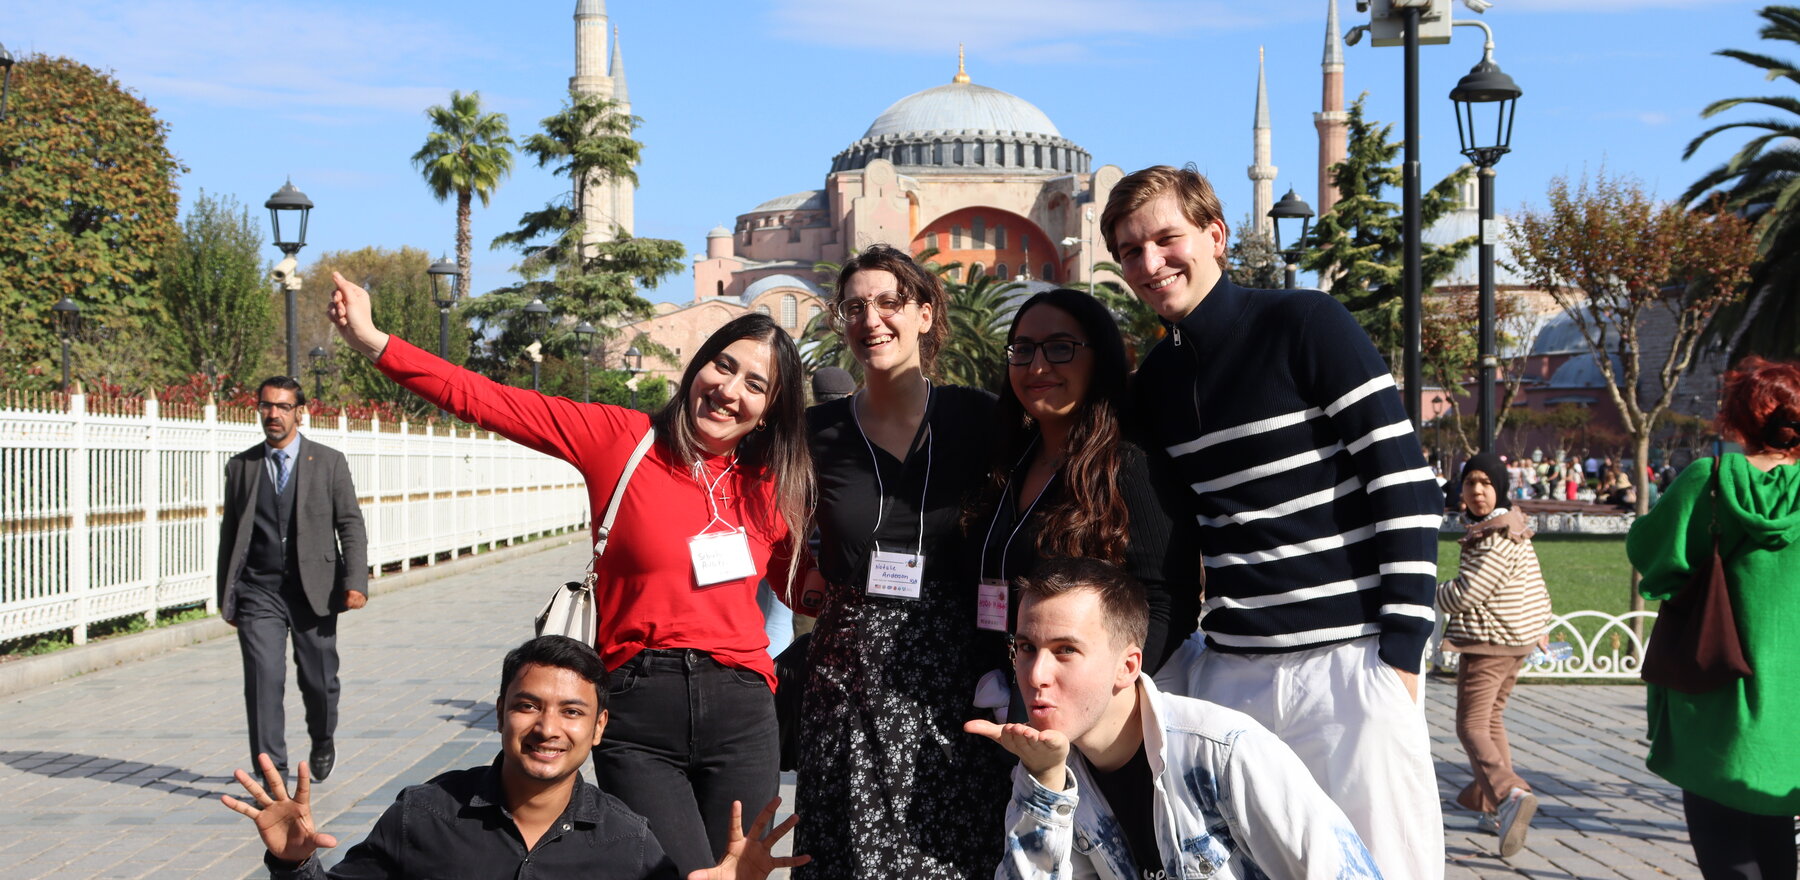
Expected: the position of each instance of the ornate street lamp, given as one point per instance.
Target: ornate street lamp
(634, 364)
(1487, 86)
(6, 61)
(537, 320)
(68, 323)
(317, 364)
(292, 202)
(446, 277)
(1291, 207)
(584, 339)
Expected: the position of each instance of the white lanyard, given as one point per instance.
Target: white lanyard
(1023, 517)
(881, 488)
(712, 500)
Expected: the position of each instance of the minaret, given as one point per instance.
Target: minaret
(1262, 173)
(1331, 120)
(602, 204)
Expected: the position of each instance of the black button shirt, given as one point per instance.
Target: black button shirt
(457, 826)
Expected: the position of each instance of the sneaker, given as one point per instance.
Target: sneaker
(1489, 822)
(1515, 819)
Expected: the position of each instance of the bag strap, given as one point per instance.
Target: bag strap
(612, 507)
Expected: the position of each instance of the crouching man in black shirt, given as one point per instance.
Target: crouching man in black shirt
(1116, 779)
(528, 814)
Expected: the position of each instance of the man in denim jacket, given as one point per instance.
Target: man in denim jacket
(1156, 786)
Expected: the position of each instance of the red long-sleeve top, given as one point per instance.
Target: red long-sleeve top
(646, 589)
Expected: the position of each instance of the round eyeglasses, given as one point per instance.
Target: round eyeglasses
(886, 305)
(1056, 351)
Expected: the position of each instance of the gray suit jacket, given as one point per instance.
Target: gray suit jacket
(331, 547)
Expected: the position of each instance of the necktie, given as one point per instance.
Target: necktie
(281, 470)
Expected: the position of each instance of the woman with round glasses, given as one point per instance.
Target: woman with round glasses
(889, 785)
(706, 515)
(1066, 482)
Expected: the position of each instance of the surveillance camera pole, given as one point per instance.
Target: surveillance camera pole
(1411, 282)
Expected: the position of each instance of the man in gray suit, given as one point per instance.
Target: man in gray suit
(292, 554)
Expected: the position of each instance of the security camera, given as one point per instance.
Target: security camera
(1355, 34)
(287, 268)
(1478, 6)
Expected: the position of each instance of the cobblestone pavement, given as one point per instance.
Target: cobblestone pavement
(118, 773)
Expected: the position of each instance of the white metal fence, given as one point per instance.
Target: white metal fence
(1600, 646)
(110, 514)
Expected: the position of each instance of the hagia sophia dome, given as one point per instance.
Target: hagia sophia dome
(964, 125)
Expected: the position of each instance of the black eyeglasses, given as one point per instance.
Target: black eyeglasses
(886, 305)
(1056, 351)
(269, 406)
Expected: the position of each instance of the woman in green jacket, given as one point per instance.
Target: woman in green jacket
(1733, 750)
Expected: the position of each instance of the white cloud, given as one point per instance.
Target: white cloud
(247, 55)
(1018, 30)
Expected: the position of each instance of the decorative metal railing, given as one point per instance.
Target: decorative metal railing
(1600, 645)
(113, 512)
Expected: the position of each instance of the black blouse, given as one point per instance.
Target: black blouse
(1161, 549)
(850, 500)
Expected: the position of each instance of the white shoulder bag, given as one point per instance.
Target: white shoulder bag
(571, 610)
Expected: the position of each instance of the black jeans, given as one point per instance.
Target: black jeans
(686, 737)
(1731, 844)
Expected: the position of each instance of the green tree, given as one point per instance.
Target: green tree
(588, 140)
(400, 296)
(218, 311)
(87, 204)
(980, 313)
(1762, 183)
(1253, 259)
(1357, 245)
(467, 153)
(1612, 256)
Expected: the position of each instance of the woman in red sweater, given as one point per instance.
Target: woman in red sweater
(692, 724)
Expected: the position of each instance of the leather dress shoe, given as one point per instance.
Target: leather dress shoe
(323, 758)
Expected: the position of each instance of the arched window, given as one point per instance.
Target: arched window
(720, 290)
(956, 238)
(959, 152)
(980, 233)
(1049, 272)
(813, 312)
(976, 271)
(980, 151)
(790, 310)
(1000, 271)
(762, 310)
(1000, 238)
(937, 152)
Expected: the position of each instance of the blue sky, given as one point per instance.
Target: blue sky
(745, 101)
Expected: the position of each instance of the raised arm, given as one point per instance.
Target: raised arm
(285, 823)
(551, 425)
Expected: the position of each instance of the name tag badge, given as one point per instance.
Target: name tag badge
(721, 557)
(990, 605)
(896, 575)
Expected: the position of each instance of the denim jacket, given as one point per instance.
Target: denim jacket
(1232, 801)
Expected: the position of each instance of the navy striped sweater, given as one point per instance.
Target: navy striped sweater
(1318, 515)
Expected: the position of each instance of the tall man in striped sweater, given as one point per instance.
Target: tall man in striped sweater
(1318, 514)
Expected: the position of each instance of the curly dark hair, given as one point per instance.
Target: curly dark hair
(1090, 517)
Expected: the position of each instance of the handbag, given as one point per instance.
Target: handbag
(791, 669)
(1694, 647)
(571, 610)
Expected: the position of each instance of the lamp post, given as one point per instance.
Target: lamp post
(286, 273)
(317, 365)
(1291, 207)
(584, 338)
(6, 61)
(68, 323)
(445, 277)
(537, 320)
(634, 364)
(1486, 85)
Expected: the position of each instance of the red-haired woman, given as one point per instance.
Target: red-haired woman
(1732, 750)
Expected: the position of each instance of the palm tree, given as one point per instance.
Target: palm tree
(1140, 326)
(981, 311)
(466, 153)
(1762, 183)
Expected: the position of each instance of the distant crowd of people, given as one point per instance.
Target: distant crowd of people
(1100, 622)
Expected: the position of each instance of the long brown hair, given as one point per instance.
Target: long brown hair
(776, 452)
(1089, 518)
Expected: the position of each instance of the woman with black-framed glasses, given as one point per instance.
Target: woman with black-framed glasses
(1065, 480)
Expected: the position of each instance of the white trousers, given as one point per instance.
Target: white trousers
(1348, 716)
